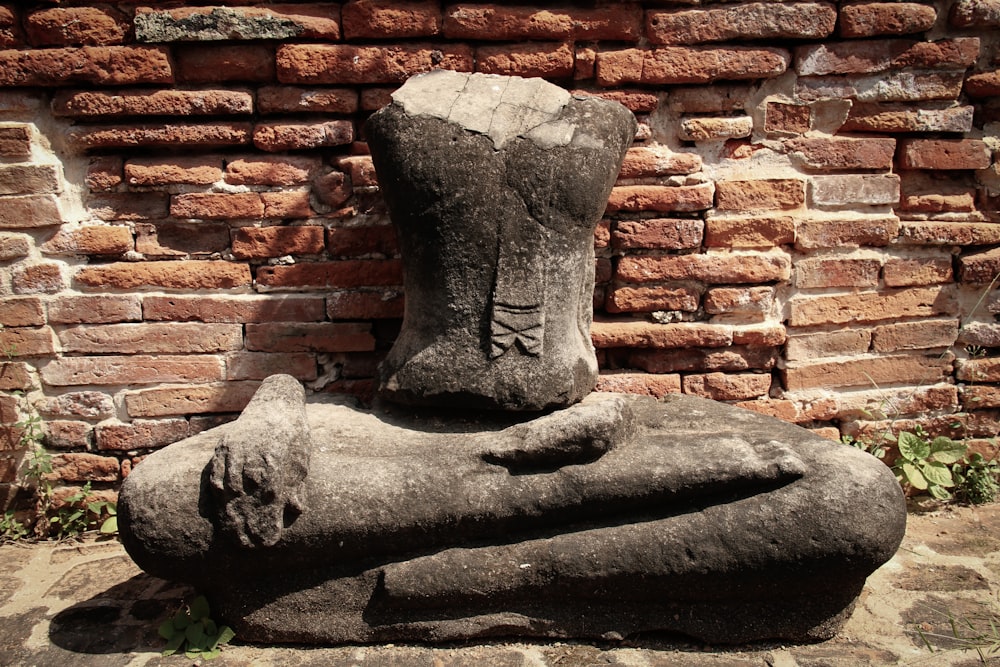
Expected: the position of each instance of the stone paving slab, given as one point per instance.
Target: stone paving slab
(85, 603)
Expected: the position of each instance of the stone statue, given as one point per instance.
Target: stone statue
(488, 494)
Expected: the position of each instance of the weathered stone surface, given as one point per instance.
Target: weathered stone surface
(747, 20)
(132, 102)
(884, 55)
(870, 19)
(482, 161)
(979, 13)
(237, 23)
(689, 64)
(928, 117)
(906, 86)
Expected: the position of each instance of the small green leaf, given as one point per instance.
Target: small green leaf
(226, 635)
(937, 473)
(914, 476)
(199, 608)
(166, 629)
(173, 644)
(110, 526)
(181, 620)
(912, 448)
(940, 492)
(946, 450)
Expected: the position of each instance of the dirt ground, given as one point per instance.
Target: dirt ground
(85, 603)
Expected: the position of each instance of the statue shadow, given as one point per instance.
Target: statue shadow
(122, 619)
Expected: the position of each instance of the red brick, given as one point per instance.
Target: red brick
(865, 189)
(647, 384)
(373, 99)
(262, 242)
(277, 137)
(96, 309)
(689, 64)
(929, 192)
(286, 205)
(975, 13)
(138, 102)
(27, 342)
(98, 65)
(90, 240)
(15, 141)
(14, 246)
(904, 86)
(778, 408)
(131, 369)
(152, 338)
(980, 334)
(217, 205)
(349, 64)
(759, 195)
(346, 273)
(978, 370)
(260, 365)
(527, 59)
(364, 305)
(980, 267)
(271, 170)
(714, 99)
(360, 168)
(103, 173)
(10, 29)
(164, 171)
(748, 20)
(846, 232)
(37, 277)
(130, 206)
(784, 117)
(161, 135)
(21, 311)
(16, 376)
(729, 359)
(77, 404)
(584, 63)
(836, 272)
(194, 274)
(636, 101)
(68, 434)
(166, 240)
(640, 333)
(619, 22)
(749, 232)
(944, 154)
(918, 271)
(871, 19)
(390, 19)
(29, 211)
(361, 241)
(983, 84)
(927, 334)
(653, 161)
(630, 299)
(190, 399)
(866, 372)
(662, 198)
(846, 342)
(726, 387)
(712, 129)
(657, 233)
(213, 64)
(927, 117)
(80, 467)
(232, 308)
(281, 21)
(291, 99)
(140, 434)
(744, 302)
(837, 153)
(24, 179)
(309, 337)
(76, 25)
(950, 233)
(710, 268)
(872, 306)
(979, 397)
(883, 55)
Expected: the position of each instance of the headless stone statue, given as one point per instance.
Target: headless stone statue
(321, 521)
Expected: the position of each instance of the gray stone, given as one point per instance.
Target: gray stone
(495, 186)
(222, 23)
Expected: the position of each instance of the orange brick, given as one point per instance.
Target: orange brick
(639, 333)
(528, 59)
(37, 277)
(140, 434)
(27, 341)
(726, 387)
(292, 99)
(309, 337)
(689, 64)
(835, 272)
(29, 211)
(287, 205)
(278, 21)
(365, 305)
(748, 20)
(928, 334)
(271, 170)
(646, 162)
(842, 153)
(657, 234)
(647, 384)
(620, 22)
(212, 64)
(711, 268)
(152, 338)
(944, 154)
(350, 64)
(260, 365)
(142, 102)
(872, 306)
(217, 205)
(132, 369)
(866, 372)
(276, 137)
(90, 240)
(729, 359)
(744, 302)
(871, 19)
(325, 275)
(360, 241)
(846, 231)
(749, 231)
(95, 309)
(190, 399)
(22, 311)
(918, 271)
(759, 195)
(98, 65)
(167, 239)
(847, 342)
(194, 274)
(232, 308)
(863, 57)
(629, 299)
(980, 267)
(390, 19)
(164, 135)
(160, 171)
(662, 198)
(262, 242)
(15, 141)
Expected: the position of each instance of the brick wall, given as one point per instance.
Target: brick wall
(806, 225)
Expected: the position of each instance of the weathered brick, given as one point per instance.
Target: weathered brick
(277, 21)
(78, 404)
(37, 277)
(292, 99)
(27, 341)
(653, 161)
(840, 153)
(362, 241)
(97, 65)
(22, 311)
(181, 239)
(632, 299)
(217, 205)
(846, 342)
(661, 198)
(276, 137)
(749, 231)
(978, 370)
(215, 64)
(741, 302)
(390, 19)
(162, 135)
(131, 369)
(927, 334)
(743, 196)
(138, 102)
(271, 170)
(983, 84)
(978, 397)
(647, 384)
(360, 168)
(66, 26)
(929, 192)
(846, 231)
(90, 240)
(309, 337)
(871, 19)
(194, 274)
(15, 141)
(16, 376)
(364, 305)
(140, 434)
(262, 242)
(152, 338)
(345, 273)
(689, 64)
(636, 101)
(978, 13)
(778, 408)
(735, 268)
(527, 59)
(69, 434)
(748, 20)
(863, 189)
(287, 204)
(10, 29)
(905, 86)
(350, 64)
(190, 399)
(714, 129)
(14, 246)
(26, 179)
(784, 117)
(173, 170)
(232, 308)
(980, 267)
(944, 154)
(640, 333)
(874, 404)
(982, 334)
(727, 387)
(865, 57)
(837, 272)
(927, 117)
(917, 271)
(723, 97)
(865, 372)
(260, 365)
(871, 306)
(657, 234)
(730, 359)
(950, 233)
(619, 22)
(94, 309)
(81, 467)
(584, 63)
(104, 173)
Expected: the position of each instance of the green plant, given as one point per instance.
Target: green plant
(979, 633)
(11, 528)
(193, 631)
(873, 447)
(923, 463)
(976, 479)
